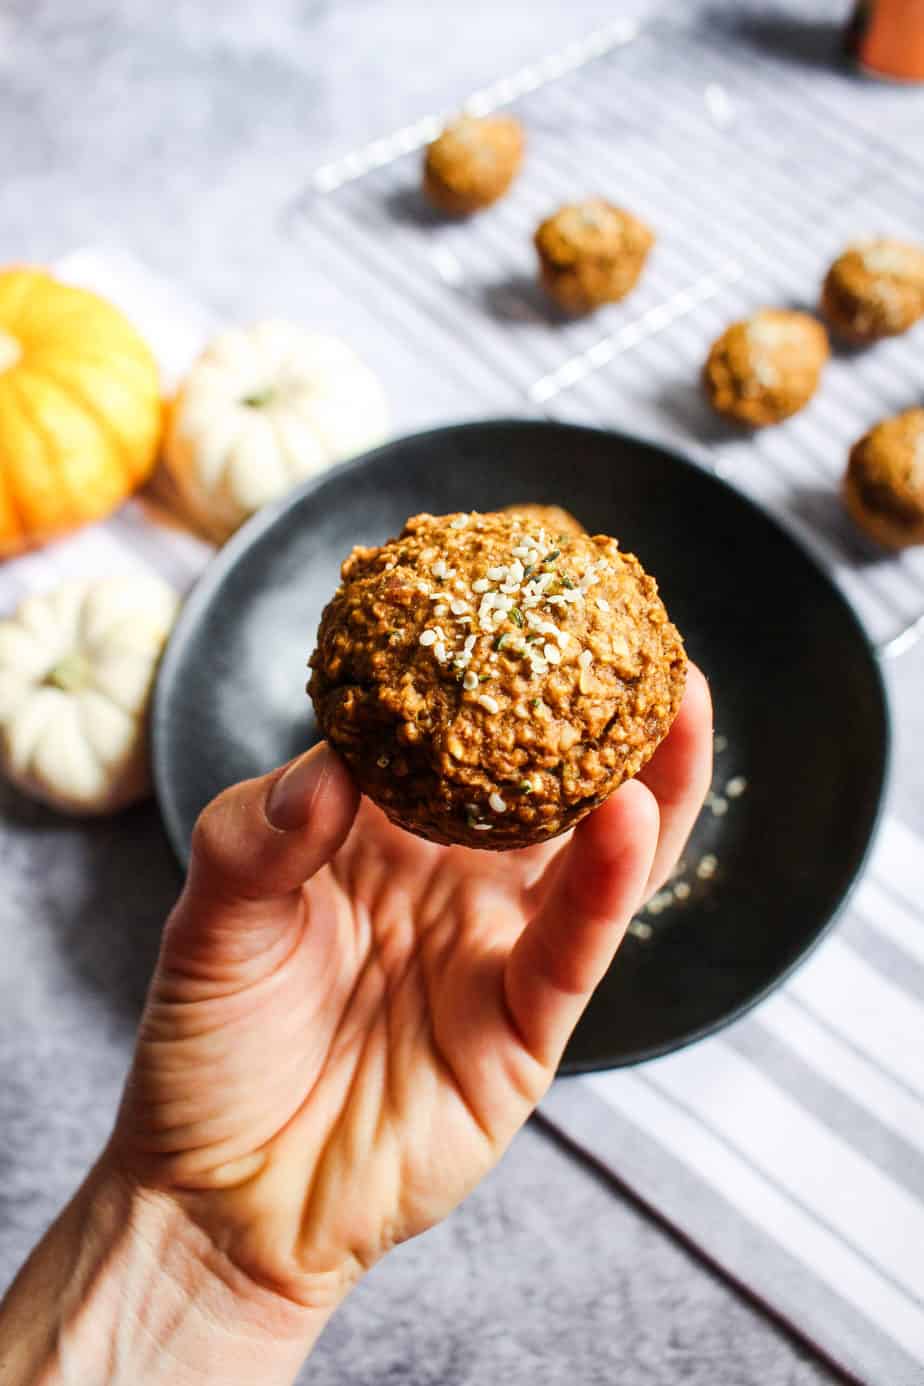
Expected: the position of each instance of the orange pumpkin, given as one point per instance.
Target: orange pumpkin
(80, 408)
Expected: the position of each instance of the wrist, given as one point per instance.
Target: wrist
(126, 1290)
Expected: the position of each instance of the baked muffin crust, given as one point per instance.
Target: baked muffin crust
(591, 253)
(472, 163)
(884, 484)
(874, 289)
(489, 684)
(765, 367)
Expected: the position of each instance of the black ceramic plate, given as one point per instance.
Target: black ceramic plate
(797, 689)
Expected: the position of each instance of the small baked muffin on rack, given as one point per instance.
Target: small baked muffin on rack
(884, 484)
(766, 367)
(874, 289)
(554, 519)
(591, 253)
(472, 163)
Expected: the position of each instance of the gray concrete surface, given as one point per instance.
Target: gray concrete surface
(180, 131)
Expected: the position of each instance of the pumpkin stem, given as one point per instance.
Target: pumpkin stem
(258, 400)
(10, 351)
(70, 673)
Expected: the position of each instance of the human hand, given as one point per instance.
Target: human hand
(348, 1024)
(345, 1029)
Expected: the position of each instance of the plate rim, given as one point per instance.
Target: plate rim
(264, 519)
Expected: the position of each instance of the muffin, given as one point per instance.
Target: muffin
(884, 484)
(472, 163)
(875, 289)
(766, 367)
(489, 684)
(591, 253)
(558, 523)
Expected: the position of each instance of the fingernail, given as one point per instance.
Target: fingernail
(291, 797)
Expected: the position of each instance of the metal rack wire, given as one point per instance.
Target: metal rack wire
(752, 183)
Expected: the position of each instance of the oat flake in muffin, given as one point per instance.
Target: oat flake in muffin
(489, 683)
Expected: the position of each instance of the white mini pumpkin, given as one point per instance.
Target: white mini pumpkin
(76, 669)
(263, 408)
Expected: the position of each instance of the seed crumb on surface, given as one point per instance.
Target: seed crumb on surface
(736, 787)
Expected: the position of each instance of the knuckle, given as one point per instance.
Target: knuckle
(208, 835)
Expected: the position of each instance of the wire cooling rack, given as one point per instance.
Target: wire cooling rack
(753, 179)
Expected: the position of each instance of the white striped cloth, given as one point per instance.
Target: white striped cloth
(790, 1148)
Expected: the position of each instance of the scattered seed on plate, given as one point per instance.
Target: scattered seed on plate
(706, 867)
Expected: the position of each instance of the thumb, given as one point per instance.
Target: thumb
(264, 838)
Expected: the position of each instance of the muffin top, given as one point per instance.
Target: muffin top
(886, 470)
(875, 288)
(489, 681)
(473, 160)
(552, 518)
(765, 367)
(593, 228)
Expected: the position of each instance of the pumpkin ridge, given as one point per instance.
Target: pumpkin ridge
(68, 301)
(90, 406)
(19, 515)
(94, 356)
(18, 311)
(51, 455)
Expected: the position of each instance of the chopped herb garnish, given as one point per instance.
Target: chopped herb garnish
(551, 557)
(484, 678)
(536, 702)
(566, 581)
(525, 787)
(530, 568)
(516, 617)
(499, 642)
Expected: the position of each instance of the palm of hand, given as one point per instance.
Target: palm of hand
(362, 1071)
(348, 1024)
